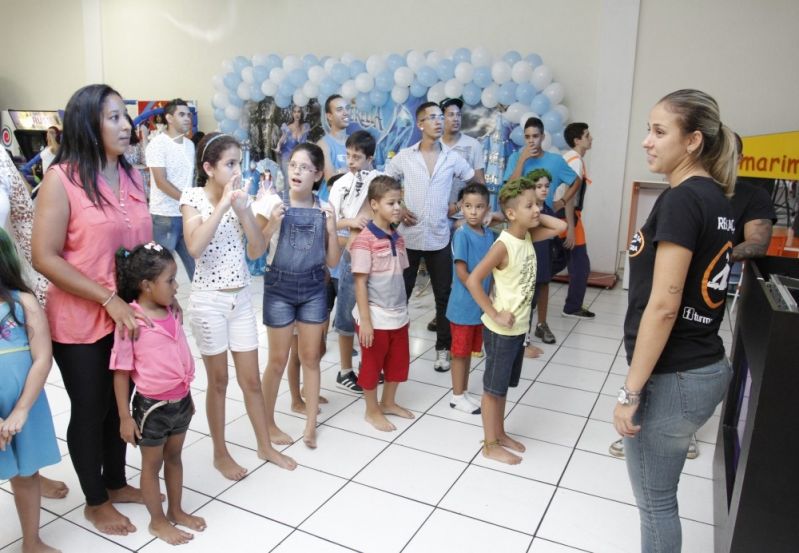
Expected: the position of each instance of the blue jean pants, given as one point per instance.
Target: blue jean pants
(673, 407)
(168, 231)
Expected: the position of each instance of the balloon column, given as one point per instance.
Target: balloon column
(523, 86)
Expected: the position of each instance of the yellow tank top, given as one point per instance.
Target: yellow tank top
(514, 285)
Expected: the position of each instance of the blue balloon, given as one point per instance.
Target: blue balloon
(356, 68)
(323, 59)
(228, 126)
(232, 81)
(219, 115)
(471, 94)
(260, 73)
(378, 97)
(559, 141)
(417, 89)
(286, 88)
(525, 93)
(240, 62)
(512, 56)
(298, 77)
(362, 101)
(282, 101)
(384, 81)
(482, 76)
(507, 93)
(327, 87)
(274, 60)
(445, 69)
(517, 135)
(256, 93)
(534, 60)
(552, 121)
(234, 99)
(394, 62)
(427, 76)
(540, 104)
(462, 54)
(240, 134)
(340, 73)
(309, 60)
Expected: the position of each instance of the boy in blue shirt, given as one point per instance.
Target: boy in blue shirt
(470, 243)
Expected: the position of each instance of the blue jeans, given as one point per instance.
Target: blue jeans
(344, 322)
(673, 407)
(168, 231)
(503, 366)
(576, 259)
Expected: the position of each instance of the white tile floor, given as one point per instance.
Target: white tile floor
(424, 487)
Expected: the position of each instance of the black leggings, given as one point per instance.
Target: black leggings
(439, 267)
(95, 446)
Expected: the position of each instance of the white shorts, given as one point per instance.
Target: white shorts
(223, 320)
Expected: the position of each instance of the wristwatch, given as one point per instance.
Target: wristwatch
(626, 397)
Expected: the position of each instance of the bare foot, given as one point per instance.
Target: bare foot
(531, 352)
(277, 436)
(274, 456)
(380, 422)
(53, 489)
(108, 520)
(185, 519)
(322, 399)
(38, 547)
(510, 443)
(300, 407)
(309, 438)
(395, 409)
(164, 530)
(499, 453)
(229, 468)
(128, 494)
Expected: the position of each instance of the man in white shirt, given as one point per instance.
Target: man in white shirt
(170, 158)
(426, 170)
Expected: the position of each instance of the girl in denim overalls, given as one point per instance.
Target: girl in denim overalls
(301, 233)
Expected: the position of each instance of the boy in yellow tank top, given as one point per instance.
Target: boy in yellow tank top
(511, 261)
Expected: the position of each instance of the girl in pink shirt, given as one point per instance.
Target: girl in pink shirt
(161, 366)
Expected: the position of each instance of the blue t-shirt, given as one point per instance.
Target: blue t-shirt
(470, 247)
(555, 164)
(338, 158)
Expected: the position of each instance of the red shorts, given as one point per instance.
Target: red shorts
(390, 353)
(466, 339)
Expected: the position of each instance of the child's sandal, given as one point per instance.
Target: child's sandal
(487, 444)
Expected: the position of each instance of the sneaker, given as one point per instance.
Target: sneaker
(617, 448)
(431, 326)
(542, 331)
(441, 364)
(693, 448)
(349, 382)
(462, 403)
(581, 313)
(474, 399)
(381, 378)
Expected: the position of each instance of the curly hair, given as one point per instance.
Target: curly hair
(144, 262)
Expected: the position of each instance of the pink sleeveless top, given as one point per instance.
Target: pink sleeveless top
(94, 234)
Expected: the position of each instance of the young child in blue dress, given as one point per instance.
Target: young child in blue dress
(27, 436)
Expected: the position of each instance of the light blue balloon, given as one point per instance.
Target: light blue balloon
(260, 73)
(240, 134)
(445, 69)
(274, 60)
(228, 126)
(512, 56)
(384, 82)
(417, 89)
(427, 76)
(256, 93)
(471, 94)
(282, 101)
(327, 87)
(219, 115)
(378, 97)
(323, 59)
(362, 101)
(462, 54)
(297, 77)
(552, 121)
(482, 76)
(309, 60)
(507, 93)
(234, 99)
(232, 81)
(356, 68)
(394, 62)
(517, 135)
(559, 141)
(240, 62)
(340, 73)
(525, 93)
(540, 104)
(286, 88)
(534, 60)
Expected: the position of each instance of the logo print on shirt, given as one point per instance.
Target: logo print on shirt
(714, 288)
(637, 243)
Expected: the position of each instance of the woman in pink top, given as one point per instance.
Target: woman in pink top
(91, 203)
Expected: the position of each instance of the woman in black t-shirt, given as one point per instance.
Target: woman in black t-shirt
(679, 264)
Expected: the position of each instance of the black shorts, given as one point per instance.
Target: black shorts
(169, 419)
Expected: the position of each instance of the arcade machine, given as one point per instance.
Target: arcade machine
(24, 133)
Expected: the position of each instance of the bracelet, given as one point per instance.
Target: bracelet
(630, 392)
(108, 300)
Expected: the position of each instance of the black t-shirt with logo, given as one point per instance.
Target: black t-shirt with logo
(750, 203)
(695, 215)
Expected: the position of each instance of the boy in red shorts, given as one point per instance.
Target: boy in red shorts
(381, 311)
(470, 244)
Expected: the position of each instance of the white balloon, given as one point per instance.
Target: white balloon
(563, 111)
(292, 62)
(464, 72)
(364, 82)
(219, 83)
(555, 92)
(546, 144)
(433, 58)
(329, 63)
(232, 112)
(243, 91)
(349, 90)
(316, 74)
(347, 58)
(453, 88)
(300, 99)
(436, 93)
(481, 56)
(501, 71)
(269, 88)
(489, 95)
(246, 74)
(542, 76)
(403, 76)
(259, 59)
(221, 100)
(525, 116)
(310, 89)
(521, 72)
(415, 59)
(277, 75)
(399, 94)
(449, 52)
(375, 64)
(514, 112)
(227, 66)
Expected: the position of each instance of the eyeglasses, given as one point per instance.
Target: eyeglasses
(433, 118)
(301, 167)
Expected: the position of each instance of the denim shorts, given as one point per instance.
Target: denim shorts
(222, 320)
(503, 366)
(295, 297)
(343, 323)
(169, 419)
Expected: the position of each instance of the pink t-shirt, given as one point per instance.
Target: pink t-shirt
(160, 362)
(94, 234)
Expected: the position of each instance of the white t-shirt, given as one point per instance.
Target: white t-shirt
(178, 160)
(263, 206)
(222, 264)
(344, 199)
(471, 150)
(577, 163)
(47, 157)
